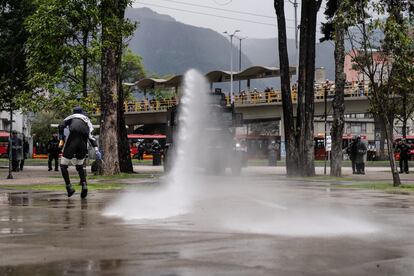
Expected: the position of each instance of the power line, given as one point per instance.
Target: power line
(212, 15)
(221, 9)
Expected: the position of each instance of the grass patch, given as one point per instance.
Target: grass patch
(120, 176)
(381, 186)
(47, 187)
(322, 178)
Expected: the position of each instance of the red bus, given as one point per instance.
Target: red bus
(409, 140)
(4, 141)
(135, 139)
(320, 153)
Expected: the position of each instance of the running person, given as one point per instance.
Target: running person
(80, 131)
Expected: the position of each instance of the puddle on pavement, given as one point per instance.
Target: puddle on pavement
(63, 268)
(391, 204)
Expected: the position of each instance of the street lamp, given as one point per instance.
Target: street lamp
(240, 52)
(295, 5)
(231, 63)
(10, 175)
(325, 97)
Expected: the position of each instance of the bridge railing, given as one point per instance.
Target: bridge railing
(256, 97)
(146, 105)
(252, 97)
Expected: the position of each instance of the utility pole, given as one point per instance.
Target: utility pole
(295, 5)
(231, 63)
(10, 175)
(240, 53)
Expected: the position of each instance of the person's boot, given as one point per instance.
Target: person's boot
(82, 177)
(70, 190)
(84, 192)
(65, 174)
(363, 168)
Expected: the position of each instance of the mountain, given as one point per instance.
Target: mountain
(265, 52)
(171, 47)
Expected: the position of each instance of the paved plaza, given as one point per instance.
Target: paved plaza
(258, 224)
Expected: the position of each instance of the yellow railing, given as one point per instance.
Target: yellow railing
(146, 105)
(276, 96)
(244, 98)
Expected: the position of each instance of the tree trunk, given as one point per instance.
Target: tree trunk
(111, 40)
(85, 65)
(125, 162)
(388, 126)
(338, 102)
(306, 93)
(404, 115)
(288, 120)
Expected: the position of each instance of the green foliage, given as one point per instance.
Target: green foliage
(63, 35)
(13, 36)
(41, 127)
(132, 68)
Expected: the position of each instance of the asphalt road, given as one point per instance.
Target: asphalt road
(258, 224)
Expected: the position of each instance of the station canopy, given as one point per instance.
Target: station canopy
(254, 72)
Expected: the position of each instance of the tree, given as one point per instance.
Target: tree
(63, 42)
(383, 60)
(132, 70)
(13, 69)
(292, 157)
(114, 28)
(336, 12)
(306, 93)
(41, 127)
(299, 137)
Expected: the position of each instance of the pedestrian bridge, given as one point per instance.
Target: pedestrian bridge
(255, 105)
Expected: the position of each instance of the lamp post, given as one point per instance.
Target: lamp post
(295, 5)
(10, 175)
(231, 63)
(325, 97)
(240, 52)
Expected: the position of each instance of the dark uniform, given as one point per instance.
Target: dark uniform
(404, 149)
(16, 151)
(361, 150)
(352, 152)
(80, 132)
(156, 150)
(25, 152)
(53, 151)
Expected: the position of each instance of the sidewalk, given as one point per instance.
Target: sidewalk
(40, 175)
(32, 175)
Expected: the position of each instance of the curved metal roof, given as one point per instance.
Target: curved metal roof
(259, 72)
(254, 72)
(219, 76)
(147, 83)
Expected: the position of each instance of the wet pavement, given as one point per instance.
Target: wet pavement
(253, 225)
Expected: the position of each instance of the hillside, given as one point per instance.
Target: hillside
(169, 47)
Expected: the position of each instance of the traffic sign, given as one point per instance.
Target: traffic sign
(328, 143)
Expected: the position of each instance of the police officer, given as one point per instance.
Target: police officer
(25, 152)
(361, 150)
(17, 151)
(272, 153)
(79, 129)
(404, 149)
(156, 150)
(352, 151)
(53, 151)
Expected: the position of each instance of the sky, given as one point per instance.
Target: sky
(255, 18)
